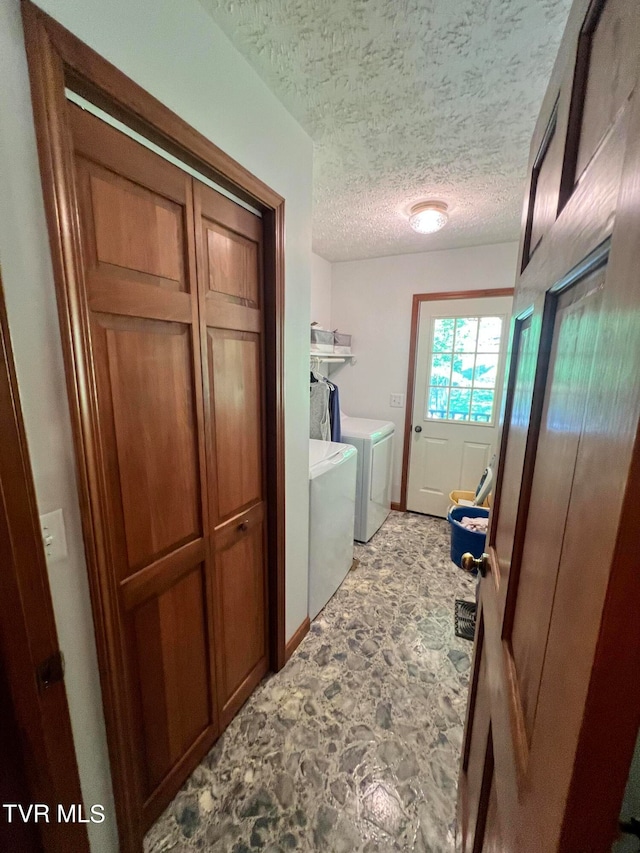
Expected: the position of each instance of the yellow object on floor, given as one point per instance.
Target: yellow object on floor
(462, 498)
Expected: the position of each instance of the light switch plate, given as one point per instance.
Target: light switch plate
(397, 401)
(54, 536)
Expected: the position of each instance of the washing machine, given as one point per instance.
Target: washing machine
(374, 443)
(332, 505)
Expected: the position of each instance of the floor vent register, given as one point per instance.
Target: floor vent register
(465, 619)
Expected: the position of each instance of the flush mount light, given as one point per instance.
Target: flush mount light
(428, 216)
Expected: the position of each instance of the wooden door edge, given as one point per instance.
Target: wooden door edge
(55, 56)
(605, 753)
(42, 715)
(297, 637)
(418, 299)
(274, 278)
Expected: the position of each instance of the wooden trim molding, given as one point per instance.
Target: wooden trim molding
(57, 59)
(274, 368)
(298, 637)
(90, 75)
(28, 634)
(396, 506)
(418, 299)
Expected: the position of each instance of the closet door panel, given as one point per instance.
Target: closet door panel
(135, 229)
(124, 158)
(233, 264)
(150, 384)
(241, 594)
(229, 245)
(138, 249)
(234, 368)
(170, 633)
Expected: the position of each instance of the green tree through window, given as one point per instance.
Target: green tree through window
(464, 368)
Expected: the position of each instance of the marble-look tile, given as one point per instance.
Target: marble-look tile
(355, 745)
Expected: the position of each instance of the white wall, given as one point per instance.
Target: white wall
(320, 291)
(176, 52)
(371, 299)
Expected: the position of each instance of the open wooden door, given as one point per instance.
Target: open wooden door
(37, 753)
(553, 711)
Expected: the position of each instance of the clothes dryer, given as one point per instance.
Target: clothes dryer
(374, 443)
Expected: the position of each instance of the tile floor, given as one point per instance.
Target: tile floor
(354, 746)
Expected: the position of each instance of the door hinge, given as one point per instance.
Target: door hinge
(50, 671)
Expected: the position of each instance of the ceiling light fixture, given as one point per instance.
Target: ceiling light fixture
(428, 216)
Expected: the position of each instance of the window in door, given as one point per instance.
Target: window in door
(464, 369)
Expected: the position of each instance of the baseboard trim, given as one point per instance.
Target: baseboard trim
(397, 507)
(297, 638)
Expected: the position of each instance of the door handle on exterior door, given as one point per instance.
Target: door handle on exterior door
(469, 563)
(418, 429)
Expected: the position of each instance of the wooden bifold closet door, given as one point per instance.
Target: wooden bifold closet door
(229, 241)
(173, 288)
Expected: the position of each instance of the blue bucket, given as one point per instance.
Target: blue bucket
(463, 540)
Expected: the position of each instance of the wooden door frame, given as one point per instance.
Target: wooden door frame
(28, 634)
(418, 299)
(56, 59)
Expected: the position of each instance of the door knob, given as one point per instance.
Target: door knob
(469, 563)
(244, 525)
(418, 429)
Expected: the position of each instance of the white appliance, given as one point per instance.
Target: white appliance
(332, 506)
(374, 442)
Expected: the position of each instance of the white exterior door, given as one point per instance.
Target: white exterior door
(460, 360)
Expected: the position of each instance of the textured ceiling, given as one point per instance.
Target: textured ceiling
(406, 100)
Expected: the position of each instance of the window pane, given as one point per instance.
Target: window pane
(486, 371)
(462, 374)
(489, 334)
(466, 334)
(459, 404)
(440, 369)
(438, 399)
(482, 406)
(443, 335)
(463, 369)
